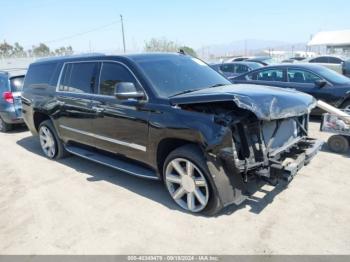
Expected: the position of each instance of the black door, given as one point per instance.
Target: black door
(304, 81)
(122, 125)
(77, 84)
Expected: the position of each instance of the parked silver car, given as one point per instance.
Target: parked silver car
(336, 63)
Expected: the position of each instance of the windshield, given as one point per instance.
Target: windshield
(333, 76)
(174, 74)
(17, 83)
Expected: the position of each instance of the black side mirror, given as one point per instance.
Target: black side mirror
(127, 90)
(320, 83)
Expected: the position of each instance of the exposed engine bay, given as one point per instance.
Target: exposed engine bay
(271, 149)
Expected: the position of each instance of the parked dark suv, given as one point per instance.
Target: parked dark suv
(169, 117)
(11, 83)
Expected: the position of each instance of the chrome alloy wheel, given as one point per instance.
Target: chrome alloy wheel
(187, 185)
(47, 142)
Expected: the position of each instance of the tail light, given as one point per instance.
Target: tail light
(8, 97)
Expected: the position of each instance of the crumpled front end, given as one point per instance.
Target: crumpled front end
(247, 147)
(267, 107)
(265, 102)
(263, 133)
(274, 150)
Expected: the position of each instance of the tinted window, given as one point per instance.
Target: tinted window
(173, 74)
(215, 67)
(334, 60)
(79, 77)
(39, 75)
(111, 74)
(227, 68)
(17, 83)
(3, 83)
(321, 59)
(301, 76)
(270, 75)
(240, 69)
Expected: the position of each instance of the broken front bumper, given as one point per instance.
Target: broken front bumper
(229, 176)
(291, 162)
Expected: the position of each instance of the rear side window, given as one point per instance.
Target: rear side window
(321, 59)
(227, 68)
(302, 76)
(112, 74)
(241, 69)
(16, 83)
(79, 77)
(39, 76)
(270, 75)
(334, 60)
(3, 83)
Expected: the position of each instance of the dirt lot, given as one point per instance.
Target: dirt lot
(77, 207)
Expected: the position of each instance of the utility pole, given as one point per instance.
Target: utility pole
(121, 20)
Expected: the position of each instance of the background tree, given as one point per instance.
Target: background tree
(64, 51)
(41, 50)
(18, 51)
(6, 50)
(188, 50)
(160, 45)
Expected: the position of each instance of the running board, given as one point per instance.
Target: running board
(115, 163)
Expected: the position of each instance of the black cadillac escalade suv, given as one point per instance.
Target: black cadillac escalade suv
(169, 117)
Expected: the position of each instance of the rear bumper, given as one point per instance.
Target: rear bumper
(11, 117)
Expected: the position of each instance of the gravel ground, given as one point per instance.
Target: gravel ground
(74, 206)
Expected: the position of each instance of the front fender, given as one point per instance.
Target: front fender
(215, 141)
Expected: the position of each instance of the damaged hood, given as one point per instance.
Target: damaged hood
(266, 102)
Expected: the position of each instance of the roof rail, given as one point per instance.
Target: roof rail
(49, 58)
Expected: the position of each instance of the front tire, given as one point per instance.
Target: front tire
(187, 179)
(4, 127)
(50, 143)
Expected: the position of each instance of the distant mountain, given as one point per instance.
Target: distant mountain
(249, 47)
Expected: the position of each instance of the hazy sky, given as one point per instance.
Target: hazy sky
(194, 23)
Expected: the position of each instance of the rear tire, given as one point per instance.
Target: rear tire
(4, 127)
(338, 143)
(193, 189)
(50, 143)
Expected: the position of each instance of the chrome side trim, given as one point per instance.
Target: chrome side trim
(115, 141)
